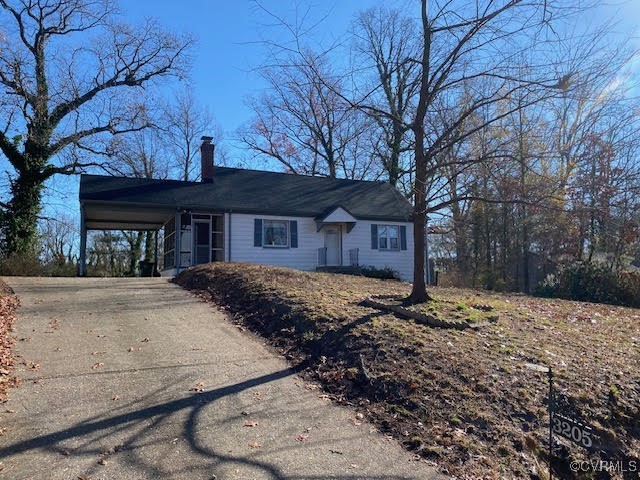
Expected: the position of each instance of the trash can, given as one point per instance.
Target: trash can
(146, 268)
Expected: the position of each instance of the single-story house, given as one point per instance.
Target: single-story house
(241, 215)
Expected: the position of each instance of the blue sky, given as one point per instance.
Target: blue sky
(228, 51)
(228, 35)
(224, 59)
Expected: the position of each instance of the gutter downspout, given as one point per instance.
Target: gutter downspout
(230, 215)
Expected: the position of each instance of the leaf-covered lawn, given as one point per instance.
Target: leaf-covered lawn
(8, 306)
(462, 398)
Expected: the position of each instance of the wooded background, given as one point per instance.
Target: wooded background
(512, 125)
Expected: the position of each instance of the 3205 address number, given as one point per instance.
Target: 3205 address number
(573, 430)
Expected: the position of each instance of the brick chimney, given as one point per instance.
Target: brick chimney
(206, 159)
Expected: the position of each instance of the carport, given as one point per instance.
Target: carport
(107, 215)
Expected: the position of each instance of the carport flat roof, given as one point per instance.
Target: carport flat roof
(110, 216)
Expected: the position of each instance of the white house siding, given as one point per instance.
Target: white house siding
(305, 257)
(360, 237)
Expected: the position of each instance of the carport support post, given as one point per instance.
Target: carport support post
(83, 244)
(178, 239)
(155, 255)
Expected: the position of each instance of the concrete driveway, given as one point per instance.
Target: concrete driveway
(136, 379)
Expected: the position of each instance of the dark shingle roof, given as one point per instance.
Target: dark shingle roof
(253, 191)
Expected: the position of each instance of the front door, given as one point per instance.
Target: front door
(332, 244)
(201, 242)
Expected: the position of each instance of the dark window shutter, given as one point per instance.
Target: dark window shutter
(293, 225)
(374, 236)
(403, 237)
(257, 232)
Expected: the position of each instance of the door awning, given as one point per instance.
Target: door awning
(336, 215)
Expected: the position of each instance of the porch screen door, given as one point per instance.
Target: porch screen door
(202, 242)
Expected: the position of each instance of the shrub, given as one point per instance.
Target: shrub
(386, 273)
(19, 265)
(54, 269)
(592, 282)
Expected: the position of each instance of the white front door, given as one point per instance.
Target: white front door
(332, 244)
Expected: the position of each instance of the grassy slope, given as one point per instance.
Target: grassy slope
(8, 306)
(462, 398)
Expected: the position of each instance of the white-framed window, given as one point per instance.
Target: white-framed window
(275, 233)
(388, 237)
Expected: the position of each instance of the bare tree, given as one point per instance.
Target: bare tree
(60, 240)
(140, 154)
(65, 90)
(384, 41)
(185, 122)
(462, 46)
(303, 122)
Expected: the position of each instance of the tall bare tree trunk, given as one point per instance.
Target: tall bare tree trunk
(419, 290)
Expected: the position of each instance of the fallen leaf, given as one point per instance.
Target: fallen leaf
(250, 424)
(110, 451)
(97, 365)
(35, 366)
(254, 444)
(198, 388)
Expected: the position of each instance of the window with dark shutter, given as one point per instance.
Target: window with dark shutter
(293, 226)
(257, 232)
(403, 237)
